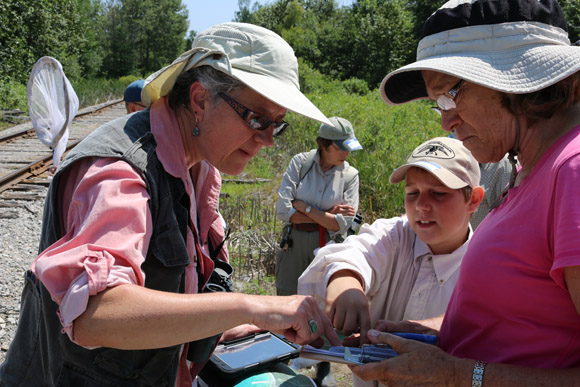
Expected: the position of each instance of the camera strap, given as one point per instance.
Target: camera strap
(213, 253)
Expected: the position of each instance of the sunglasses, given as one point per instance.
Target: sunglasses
(446, 101)
(255, 120)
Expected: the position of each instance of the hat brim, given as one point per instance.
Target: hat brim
(282, 94)
(350, 144)
(508, 63)
(442, 174)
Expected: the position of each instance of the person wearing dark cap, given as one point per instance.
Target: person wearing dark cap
(132, 96)
(130, 230)
(507, 80)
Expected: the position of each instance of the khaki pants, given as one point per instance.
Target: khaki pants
(290, 264)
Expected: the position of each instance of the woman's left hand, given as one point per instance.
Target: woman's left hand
(343, 209)
(417, 363)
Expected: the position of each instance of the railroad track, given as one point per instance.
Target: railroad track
(25, 161)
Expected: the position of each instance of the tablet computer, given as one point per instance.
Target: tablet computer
(232, 358)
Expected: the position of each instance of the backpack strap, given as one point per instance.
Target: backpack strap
(309, 162)
(349, 175)
(307, 166)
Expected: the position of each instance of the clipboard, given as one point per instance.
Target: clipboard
(349, 355)
(368, 353)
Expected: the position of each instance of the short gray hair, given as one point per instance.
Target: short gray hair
(214, 81)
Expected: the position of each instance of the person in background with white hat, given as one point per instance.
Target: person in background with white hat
(317, 201)
(132, 96)
(507, 80)
(130, 226)
(405, 267)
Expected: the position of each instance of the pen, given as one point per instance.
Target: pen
(428, 339)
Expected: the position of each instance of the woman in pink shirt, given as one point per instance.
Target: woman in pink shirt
(506, 79)
(131, 229)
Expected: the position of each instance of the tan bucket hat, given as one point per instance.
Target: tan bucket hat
(447, 159)
(254, 55)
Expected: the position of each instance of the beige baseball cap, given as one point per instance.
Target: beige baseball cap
(341, 133)
(447, 159)
(256, 56)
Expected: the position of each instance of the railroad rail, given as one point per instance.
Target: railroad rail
(25, 161)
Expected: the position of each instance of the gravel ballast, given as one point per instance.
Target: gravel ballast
(19, 237)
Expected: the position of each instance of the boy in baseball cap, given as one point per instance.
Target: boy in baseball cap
(403, 268)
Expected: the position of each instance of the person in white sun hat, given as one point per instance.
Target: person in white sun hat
(131, 230)
(507, 80)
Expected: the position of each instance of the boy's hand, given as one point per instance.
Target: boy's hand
(347, 306)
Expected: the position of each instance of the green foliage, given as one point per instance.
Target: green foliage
(127, 79)
(97, 90)
(571, 10)
(13, 95)
(355, 86)
(142, 36)
(35, 28)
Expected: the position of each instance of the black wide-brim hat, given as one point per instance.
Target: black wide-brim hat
(513, 46)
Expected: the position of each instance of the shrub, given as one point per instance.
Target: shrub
(13, 95)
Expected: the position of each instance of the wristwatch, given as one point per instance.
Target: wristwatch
(308, 209)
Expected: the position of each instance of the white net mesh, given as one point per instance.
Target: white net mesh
(52, 104)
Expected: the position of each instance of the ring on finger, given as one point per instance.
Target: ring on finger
(313, 326)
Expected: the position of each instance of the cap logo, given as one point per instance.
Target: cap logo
(434, 149)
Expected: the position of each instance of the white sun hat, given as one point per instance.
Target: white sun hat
(516, 46)
(254, 55)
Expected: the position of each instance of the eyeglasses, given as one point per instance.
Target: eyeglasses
(446, 101)
(255, 120)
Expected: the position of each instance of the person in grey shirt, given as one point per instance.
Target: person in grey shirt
(317, 201)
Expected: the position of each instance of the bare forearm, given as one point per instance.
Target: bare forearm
(325, 219)
(133, 317)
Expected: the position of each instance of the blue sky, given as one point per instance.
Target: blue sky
(206, 13)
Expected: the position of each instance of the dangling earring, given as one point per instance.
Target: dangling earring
(195, 130)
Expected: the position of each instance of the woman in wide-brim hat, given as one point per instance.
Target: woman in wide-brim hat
(132, 229)
(506, 79)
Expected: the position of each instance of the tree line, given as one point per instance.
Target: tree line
(91, 38)
(114, 38)
(365, 40)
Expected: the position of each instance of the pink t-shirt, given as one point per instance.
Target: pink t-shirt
(511, 304)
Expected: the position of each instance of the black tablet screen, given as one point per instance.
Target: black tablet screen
(255, 350)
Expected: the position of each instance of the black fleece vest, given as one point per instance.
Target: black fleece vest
(41, 354)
